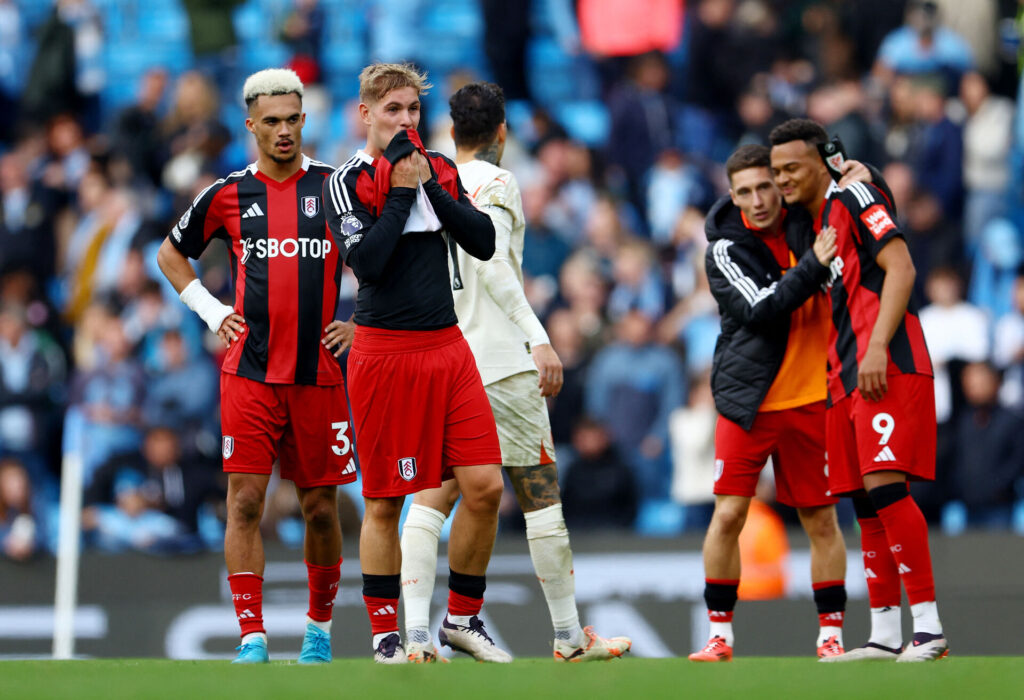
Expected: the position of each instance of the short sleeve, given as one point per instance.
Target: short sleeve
(873, 217)
(198, 225)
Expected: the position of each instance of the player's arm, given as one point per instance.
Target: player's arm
(189, 238)
(366, 243)
(894, 258)
(736, 284)
(500, 280)
(470, 227)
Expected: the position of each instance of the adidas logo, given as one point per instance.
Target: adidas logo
(868, 573)
(386, 610)
(885, 455)
(246, 614)
(253, 211)
(349, 468)
(904, 569)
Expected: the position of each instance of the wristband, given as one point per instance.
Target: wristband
(196, 297)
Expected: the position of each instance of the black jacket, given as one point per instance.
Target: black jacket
(755, 301)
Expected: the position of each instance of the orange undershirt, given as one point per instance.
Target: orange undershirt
(802, 376)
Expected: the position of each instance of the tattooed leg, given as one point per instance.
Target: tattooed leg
(535, 487)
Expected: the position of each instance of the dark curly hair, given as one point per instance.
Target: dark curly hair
(798, 130)
(477, 110)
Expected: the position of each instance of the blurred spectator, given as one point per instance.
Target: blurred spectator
(692, 431)
(638, 285)
(673, 184)
(303, 32)
(839, 107)
(109, 397)
(566, 408)
(183, 390)
(977, 22)
(130, 522)
(29, 209)
(643, 122)
(990, 449)
(194, 133)
(166, 481)
(694, 323)
(632, 387)
(1001, 253)
(505, 36)
(19, 533)
(937, 153)
(135, 134)
(954, 330)
(32, 385)
(584, 292)
(988, 134)
(12, 36)
(1008, 350)
(923, 45)
(544, 250)
(214, 44)
(599, 490)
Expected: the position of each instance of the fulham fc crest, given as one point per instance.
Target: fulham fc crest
(227, 446)
(310, 206)
(407, 468)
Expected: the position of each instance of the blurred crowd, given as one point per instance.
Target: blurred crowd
(116, 113)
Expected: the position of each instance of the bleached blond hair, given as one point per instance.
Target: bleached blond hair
(378, 79)
(272, 81)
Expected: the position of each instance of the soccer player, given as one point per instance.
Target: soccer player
(519, 368)
(880, 424)
(765, 269)
(421, 415)
(282, 393)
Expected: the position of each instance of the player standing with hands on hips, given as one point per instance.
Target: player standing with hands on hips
(282, 393)
(421, 415)
(519, 368)
(880, 424)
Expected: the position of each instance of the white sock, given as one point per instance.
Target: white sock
(324, 626)
(552, 562)
(380, 636)
(926, 617)
(886, 628)
(723, 630)
(460, 620)
(420, 536)
(252, 636)
(828, 631)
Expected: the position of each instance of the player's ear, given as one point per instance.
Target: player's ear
(249, 125)
(451, 131)
(732, 196)
(502, 132)
(364, 113)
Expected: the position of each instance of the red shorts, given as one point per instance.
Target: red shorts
(306, 426)
(793, 438)
(419, 409)
(896, 433)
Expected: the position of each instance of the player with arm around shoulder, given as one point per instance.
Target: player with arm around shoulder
(282, 393)
(880, 424)
(519, 368)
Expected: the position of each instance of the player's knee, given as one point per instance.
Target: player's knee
(820, 523)
(322, 515)
(383, 510)
(729, 518)
(246, 503)
(485, 495)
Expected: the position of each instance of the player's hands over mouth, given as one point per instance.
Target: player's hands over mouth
(406, 171)
(231, 329)
(425, 171)
(550, 369)
(871, 373)
(853, 171)
(825, 246)
(339, 333)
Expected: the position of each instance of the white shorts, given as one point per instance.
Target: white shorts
(524, 429)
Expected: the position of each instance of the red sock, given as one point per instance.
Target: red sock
(383, 614)
(323, 586)
(247, 594)
(459, 604)
(907, 534)
(720, 615)
(830, 599)
(879, 565)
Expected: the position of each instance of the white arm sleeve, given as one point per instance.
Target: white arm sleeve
(198, 298)
(500, 281)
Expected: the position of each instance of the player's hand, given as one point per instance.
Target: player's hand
(550, 369)
(231, 329)
(339, 333)
(853, 171)
(871, 379)
(425, 171)
(406, 172)
(825, 246)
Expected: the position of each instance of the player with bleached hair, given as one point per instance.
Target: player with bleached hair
(282, 392)
(519, 368)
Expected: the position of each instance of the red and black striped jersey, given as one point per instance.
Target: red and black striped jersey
(864, 221)
(285, 265)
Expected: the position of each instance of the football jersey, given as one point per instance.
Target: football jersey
(865, 223)
(285, 266)
(499, 345)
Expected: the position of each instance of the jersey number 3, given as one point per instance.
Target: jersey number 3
(342, 437)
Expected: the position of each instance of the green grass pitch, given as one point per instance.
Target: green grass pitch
(526, 679)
